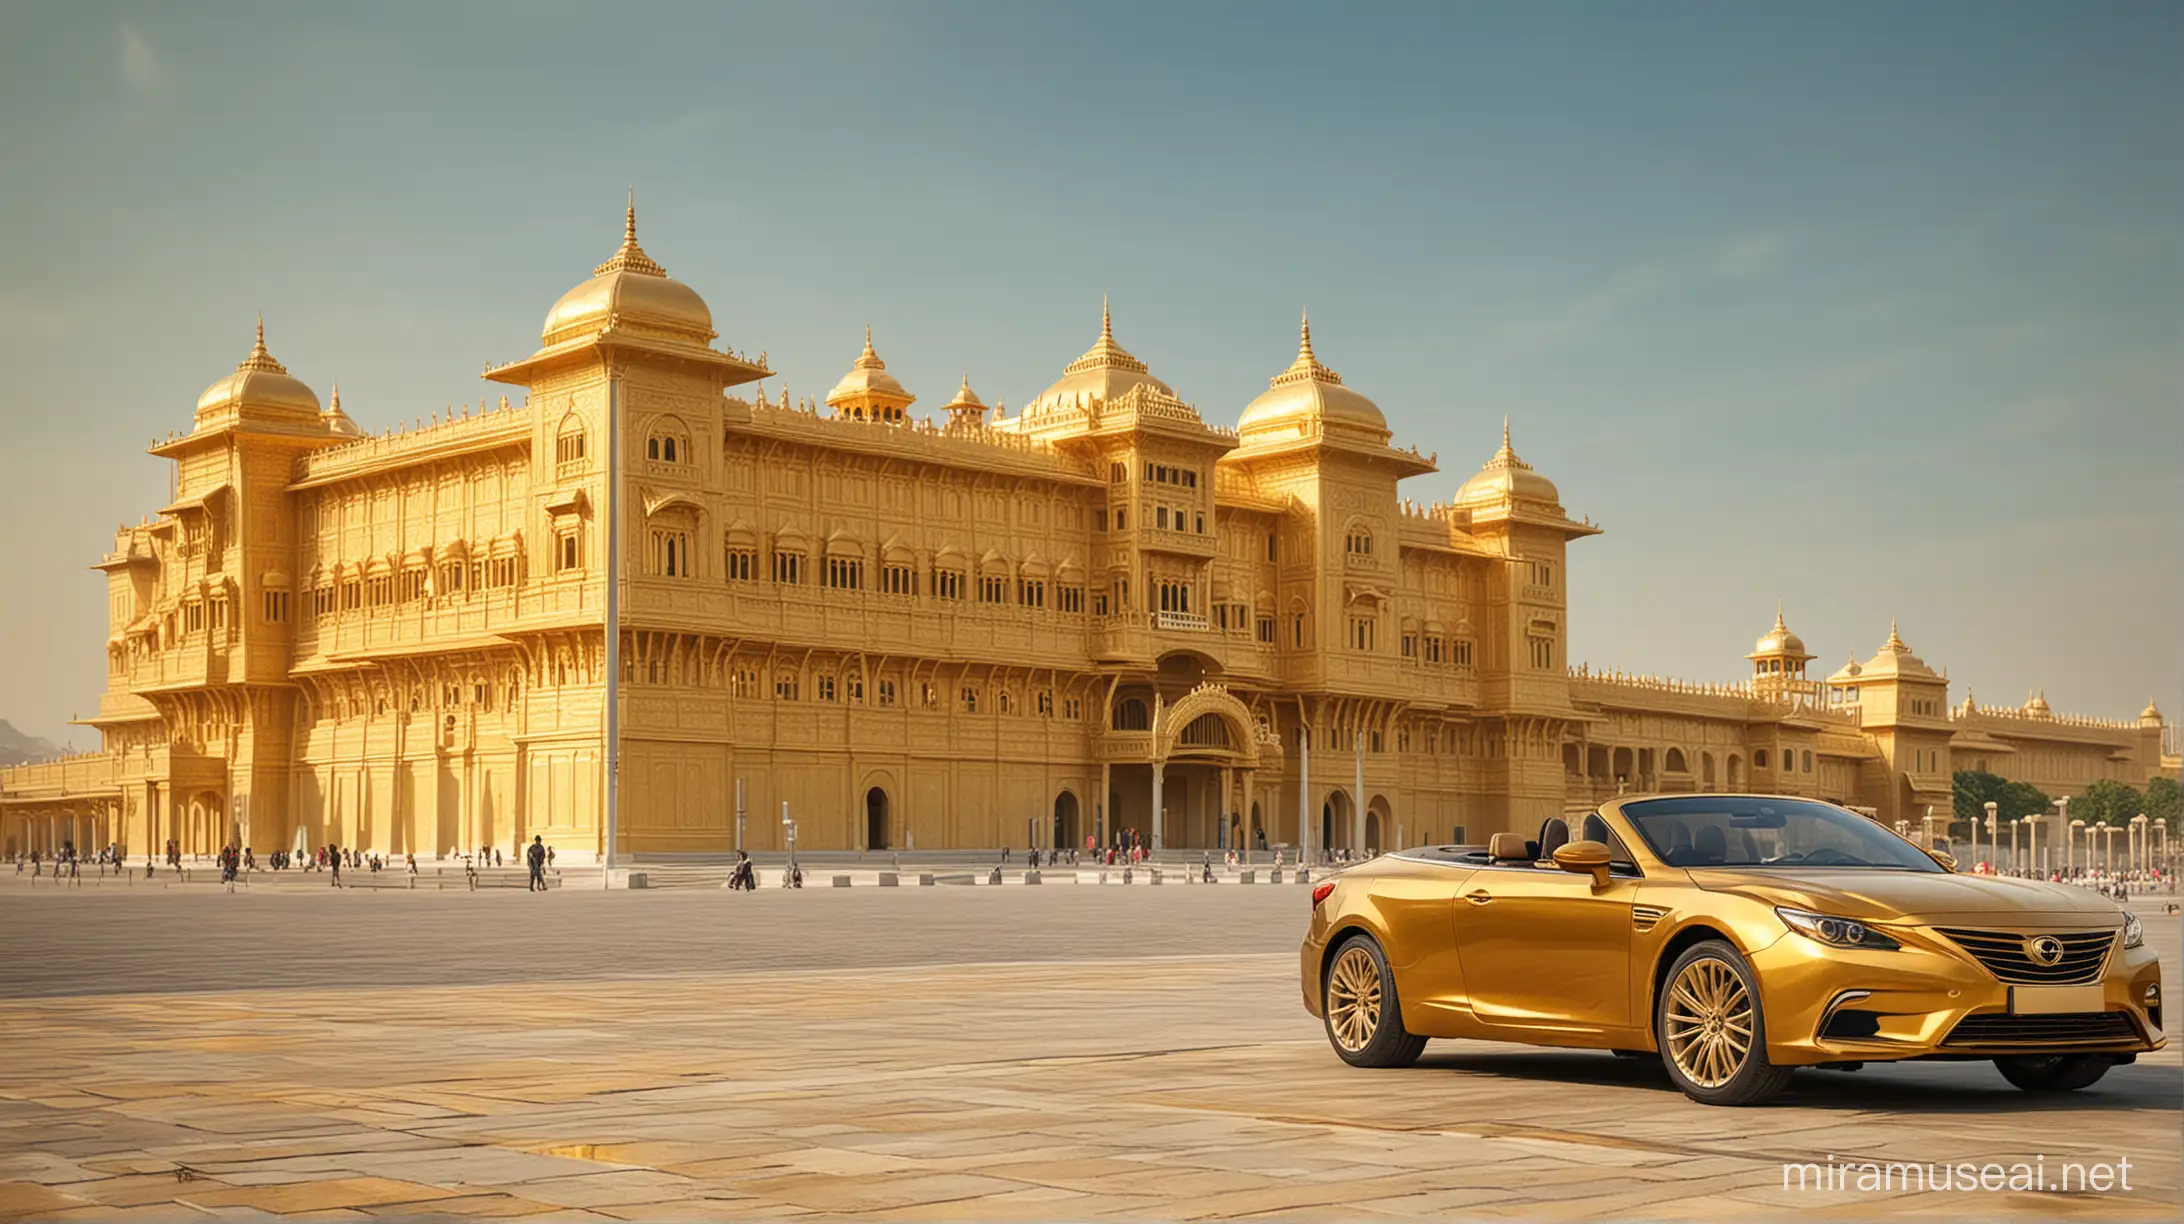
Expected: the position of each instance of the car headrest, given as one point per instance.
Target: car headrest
(1596, 829)
(1710, 843)
(1554, 834)
(1508, 848)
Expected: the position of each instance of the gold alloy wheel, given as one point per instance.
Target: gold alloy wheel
(1353, 998)
(1709, 1023)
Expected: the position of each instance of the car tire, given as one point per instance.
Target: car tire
(1358, 1003)
(2053, 1072)
(1712, 1030)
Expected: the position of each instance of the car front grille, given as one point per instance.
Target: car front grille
(2062, 1029)
(2004, 955)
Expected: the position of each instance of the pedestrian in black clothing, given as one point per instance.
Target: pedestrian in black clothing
(537, 856)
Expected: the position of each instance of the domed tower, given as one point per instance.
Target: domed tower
(966, 411)
(1778, 662)
(868, 392)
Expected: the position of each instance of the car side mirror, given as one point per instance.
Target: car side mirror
(1585, 858)
(1946, 859)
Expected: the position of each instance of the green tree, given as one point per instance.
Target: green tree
(1974, 789)
(2107, 802)
(2162, 800)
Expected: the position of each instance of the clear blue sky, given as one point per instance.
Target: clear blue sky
(1872, 309)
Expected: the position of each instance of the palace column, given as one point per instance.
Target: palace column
(1220, 813)
(1246, 837)
(1101, 817)
(1157, 813)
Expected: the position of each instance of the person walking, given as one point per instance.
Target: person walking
(333, 857)
(537, 856)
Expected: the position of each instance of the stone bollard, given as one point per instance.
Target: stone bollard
(1031, 877)
(888, 879)
(1276, 877)
(925, 877)
(639, 879)
(1247, 877)
(1304, 875)
(1155, 875)
(1126, 875)
(841, 881)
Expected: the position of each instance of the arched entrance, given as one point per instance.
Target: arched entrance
(875, 806)
(1379, 826)
(1066, 833)
(1335, 831)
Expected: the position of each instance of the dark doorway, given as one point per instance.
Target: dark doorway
(875, 819)
(1066, 833)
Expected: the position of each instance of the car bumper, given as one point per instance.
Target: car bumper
(1928, 999)
(1309, 957)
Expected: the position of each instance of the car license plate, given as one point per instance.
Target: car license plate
(2050, 1000)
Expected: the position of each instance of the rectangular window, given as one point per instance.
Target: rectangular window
(785, 687)
(451, 578)
(1031, 592)
(1265, 630)
(788, 568)
(887, 693)
(1410, 645)
(1460, 651)
(276, 607)
(826, 688)
(898, 580)
(993, 589)
(1362, 632)
(948, 584)
(671, 553)
(1070, 598)
(845, 573)
(568, 551)
(970, 700)
(1296, 630)
(740, 564)
(1543, 653)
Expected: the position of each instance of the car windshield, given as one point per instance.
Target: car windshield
(1713, 831)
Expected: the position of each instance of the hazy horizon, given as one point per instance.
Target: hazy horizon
(1876, 311)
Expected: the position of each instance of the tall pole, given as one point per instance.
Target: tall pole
(613, 626)
(1357, 808)
(1304, 794)
(740, 812)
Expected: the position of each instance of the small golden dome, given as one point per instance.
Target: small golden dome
(630, 290)
(1779, 640)
(869, 383)
(2152, 712)
(258, 383)
(1506, 477)
(1309, 391)
(2037, 704)
(336, 421)
(1105, 372)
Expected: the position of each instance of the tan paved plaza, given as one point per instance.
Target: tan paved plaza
(1073, 1074)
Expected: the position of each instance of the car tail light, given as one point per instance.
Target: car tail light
(1320, 892)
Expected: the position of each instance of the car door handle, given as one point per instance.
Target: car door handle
(1478, 896)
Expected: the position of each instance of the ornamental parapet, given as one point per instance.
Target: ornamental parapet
(2018, 715)
(488, 428)
(954, 444)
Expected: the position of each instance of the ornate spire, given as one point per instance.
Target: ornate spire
(1105, 353)
(631, 258)
(259, 358)
(869, 360)
(1779, 624)
(1307, 367)
(1506, 457)
(1895, 644)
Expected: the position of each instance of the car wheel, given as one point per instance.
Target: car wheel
(1364, 1020)
(1712, 1030)
(2053, 1072)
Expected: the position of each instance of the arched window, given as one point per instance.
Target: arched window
(668, 443)
(1676, 763)
(1759, 758)
(571, 445)
(1131, 715)
(1357, 545)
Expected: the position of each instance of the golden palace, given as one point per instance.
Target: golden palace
(1100, 615)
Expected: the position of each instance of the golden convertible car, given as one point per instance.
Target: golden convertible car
(1738, 936)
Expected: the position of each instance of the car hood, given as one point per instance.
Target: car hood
(1918, 897)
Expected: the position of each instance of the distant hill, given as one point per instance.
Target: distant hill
(16, 747)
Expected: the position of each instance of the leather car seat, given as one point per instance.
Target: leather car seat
(1710, 847)
(1509, 848)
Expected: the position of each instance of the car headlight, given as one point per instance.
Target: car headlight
(2134, 931)
(1835, 932)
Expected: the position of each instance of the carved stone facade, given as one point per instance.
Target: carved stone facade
(1102, 615)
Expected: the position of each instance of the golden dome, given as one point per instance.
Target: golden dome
(869, 383)
(1779, 640)
(258, 383)
(630, 290)
(1309, 391)
(1895, 659)
(2152, 712)
(1105, 372)
(1506, 477)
